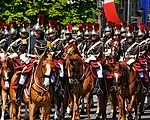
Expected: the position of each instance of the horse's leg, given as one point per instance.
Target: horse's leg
(4, 97)
(136, 110)
(47, 110)
(32, 110)
(88, 104)
(103, 102)
(75, 107)
(57, 102)
(26, 111)
(82, 105)
(114, 104)
(121, 101)
(10, 110)
(70, 104)
(64, 105)
(141, 107)
(14, 111)
(19, 112)
(132, 101)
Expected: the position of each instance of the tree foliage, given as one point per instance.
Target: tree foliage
(65, 11)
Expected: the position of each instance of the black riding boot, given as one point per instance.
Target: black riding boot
(62, 83)
(19, 94)
(99, 91)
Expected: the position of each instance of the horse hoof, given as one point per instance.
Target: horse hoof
(67, 114)
(83, 112)
(97, 115)
(130, 117)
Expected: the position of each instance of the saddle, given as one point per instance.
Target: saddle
(14, 84)
(94, 63)
(56, 62)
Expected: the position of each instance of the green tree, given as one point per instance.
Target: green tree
(73, 11)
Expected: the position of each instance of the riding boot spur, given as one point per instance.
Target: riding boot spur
(99, 91)
(20, 88)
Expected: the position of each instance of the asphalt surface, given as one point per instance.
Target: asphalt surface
(146, 115)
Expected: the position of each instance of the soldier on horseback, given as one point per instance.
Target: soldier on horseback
(37, 41)
(25, 61)
(68, 36)
(93, 52)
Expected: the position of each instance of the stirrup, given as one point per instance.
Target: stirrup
(18, 101)
(99, 91)
(144, 90)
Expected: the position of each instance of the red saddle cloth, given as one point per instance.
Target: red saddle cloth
(94, 63)
(109, 75)
(18, 65)
(14, 84)
(110, 62)
(142, 61)
(56, 62)
(137, 67)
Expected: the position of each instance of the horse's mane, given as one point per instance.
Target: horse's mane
(123, 67)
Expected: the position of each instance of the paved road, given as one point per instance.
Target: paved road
(93, 110)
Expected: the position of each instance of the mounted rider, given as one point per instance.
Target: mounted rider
(24, 62)
(68, 35)
(79, 37)
(6, 36)
(93, 52)
(38, 43)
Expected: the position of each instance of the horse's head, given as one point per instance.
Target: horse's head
(6, 69)
(115, 47)
(45, 69)
(121, 73)
(70, 50)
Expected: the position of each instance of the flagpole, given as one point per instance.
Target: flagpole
(29, 42)
(128, 14)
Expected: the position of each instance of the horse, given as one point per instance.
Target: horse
(16, 109)
(107, 86)
(125, 82)
(6, 74)
(81, 78)
(41, 91)
(61, 94)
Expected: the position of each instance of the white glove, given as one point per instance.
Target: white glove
(13, 55)
(24, 58)
(6, 84)
(2, 56)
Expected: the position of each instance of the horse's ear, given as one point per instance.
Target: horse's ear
(44, 55)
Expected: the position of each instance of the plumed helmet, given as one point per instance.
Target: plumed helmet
(107, 29)
(80, 31)
(95, 29)
(24, 26)
(122, 30)
(51, 27)
(69, 29)
(129, 34)
(140, 33)
(13, 27)
(142, 27)
(117, 32)
(6, 29)
(86, 32)
(37, 26)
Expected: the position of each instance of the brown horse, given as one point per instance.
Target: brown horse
(41, 92)
(125, 81)
(16, 110)
(6, 74)
(81, 78)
